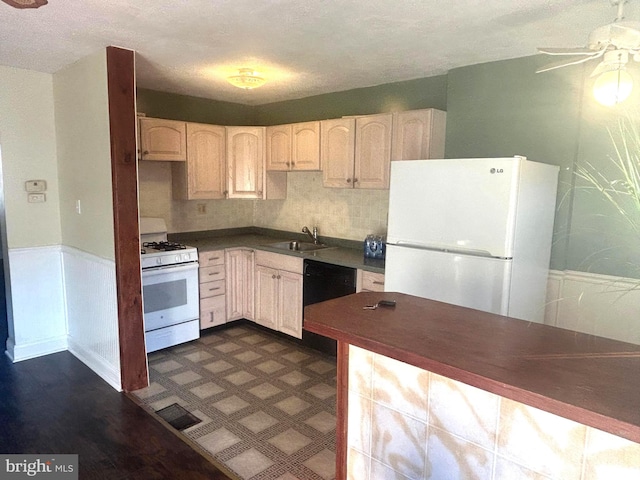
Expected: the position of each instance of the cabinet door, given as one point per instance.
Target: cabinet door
(248, 276)
(337, 139)
(162, 140)
(290, 300)
(418, 134)
(305, 146)
(266, 297)
(373, 151)
(245, 158)
(212, 311)
(235, 288)
(278, 147)
(206, 162)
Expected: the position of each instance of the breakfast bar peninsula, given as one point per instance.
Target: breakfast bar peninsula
(432, 390)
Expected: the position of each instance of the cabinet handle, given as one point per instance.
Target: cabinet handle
(211, 315)
(288, 164)
(214, 258)
(146, 152)
(214, 289)
(376, 282)
(279, 277)
(273, 276)
(348, 180)
(213, 273)
(293, 164)
(355, 180)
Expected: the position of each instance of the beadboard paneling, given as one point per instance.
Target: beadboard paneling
(37, 310)
(92, 312)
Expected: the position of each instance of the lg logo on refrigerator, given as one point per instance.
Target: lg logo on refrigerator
(497, 170)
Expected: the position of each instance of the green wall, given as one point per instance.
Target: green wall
(494, 109)
(192, 109)
(410, 95)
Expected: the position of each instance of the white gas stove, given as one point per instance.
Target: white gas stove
(169, 287)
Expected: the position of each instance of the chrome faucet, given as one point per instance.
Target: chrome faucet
(313, 236)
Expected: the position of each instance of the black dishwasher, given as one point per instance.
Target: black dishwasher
(324, 281)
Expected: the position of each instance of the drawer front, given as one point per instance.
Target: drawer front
(279, 261)
(208, 259)
(372, 282)
(209, 274)
(212, 311)
(212, 289)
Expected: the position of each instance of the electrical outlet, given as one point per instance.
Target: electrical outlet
(202, 208)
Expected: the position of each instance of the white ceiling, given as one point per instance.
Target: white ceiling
(304, 47)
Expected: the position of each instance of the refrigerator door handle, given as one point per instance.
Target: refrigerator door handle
(446, 248)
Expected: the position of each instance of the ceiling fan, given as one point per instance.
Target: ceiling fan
(25, 3)
(615, 43)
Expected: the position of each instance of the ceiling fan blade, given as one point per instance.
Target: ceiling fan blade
(25, 3)
(563, 63)
(568, 51)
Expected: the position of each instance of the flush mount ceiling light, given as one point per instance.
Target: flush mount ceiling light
(25, 3)
(247, 79)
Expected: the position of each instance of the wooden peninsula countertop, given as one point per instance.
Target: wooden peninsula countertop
(588, 379)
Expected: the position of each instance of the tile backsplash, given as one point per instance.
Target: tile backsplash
(340, 213)
(337, 212)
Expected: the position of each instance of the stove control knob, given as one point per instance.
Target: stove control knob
(159, 261)
(186, 257)
(177, 258)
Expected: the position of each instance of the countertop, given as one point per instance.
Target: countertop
(336, 253)
(585, 378)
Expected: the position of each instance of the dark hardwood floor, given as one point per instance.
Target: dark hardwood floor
(56, 404)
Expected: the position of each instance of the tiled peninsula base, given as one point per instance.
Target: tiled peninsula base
(405, 422)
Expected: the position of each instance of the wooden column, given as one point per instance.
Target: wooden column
(342, 405)
(124, 173)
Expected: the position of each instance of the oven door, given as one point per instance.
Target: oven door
(170, 295)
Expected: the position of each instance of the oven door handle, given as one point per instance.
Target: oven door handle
(173, 268)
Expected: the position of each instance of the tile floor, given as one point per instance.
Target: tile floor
(266, 403)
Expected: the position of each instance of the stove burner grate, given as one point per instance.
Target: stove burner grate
(164, 246)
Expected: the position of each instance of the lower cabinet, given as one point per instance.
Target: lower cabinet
(240, 279)
(278, 292)
(369, 281)
(212, 289)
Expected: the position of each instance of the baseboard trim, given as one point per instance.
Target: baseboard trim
(96, 363)
(19, 353)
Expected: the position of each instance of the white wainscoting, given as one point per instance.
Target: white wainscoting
(92, 312)
(37, 298)
(596, 304)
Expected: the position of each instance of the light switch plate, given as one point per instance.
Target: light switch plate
(36, 198)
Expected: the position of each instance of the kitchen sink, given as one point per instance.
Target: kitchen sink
(295, 246)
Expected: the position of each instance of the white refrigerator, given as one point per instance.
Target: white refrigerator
(474, 232)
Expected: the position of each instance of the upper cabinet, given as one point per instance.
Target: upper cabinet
(293, 147)
(337, 151)
(245, 156)
(203, 175)
(356, 152)
(419, 134)
(163, 140)
(373, 151)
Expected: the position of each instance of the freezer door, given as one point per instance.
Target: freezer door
(468, 204)
(469, 281)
